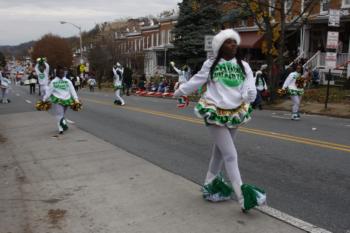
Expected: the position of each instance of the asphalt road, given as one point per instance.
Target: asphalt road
(303, 166)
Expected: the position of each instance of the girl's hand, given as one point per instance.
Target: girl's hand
(182, 102)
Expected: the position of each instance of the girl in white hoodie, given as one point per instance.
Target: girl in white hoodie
(229, 88)
(62, 94)
(294, 83)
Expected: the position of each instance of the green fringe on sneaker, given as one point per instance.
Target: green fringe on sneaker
(63, 124)
(217, 190)
(253, 196)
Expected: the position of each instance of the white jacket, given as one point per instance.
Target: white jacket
(183, 75)
(43, 77)
(62, 89)
(118, 76)
(4, 82)
(290, 81)
(218, 93)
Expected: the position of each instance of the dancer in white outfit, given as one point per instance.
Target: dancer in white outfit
(294, 85)
(225, 105)
(42, 71)
(118, 72)
(62, 94)
(4, 86)
(184, 74)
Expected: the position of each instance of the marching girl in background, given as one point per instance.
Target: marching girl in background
(118, 71)
(4, 87)
(294, 86)
(229, 88)
(42, 71)
(184, 74)
(62, 94)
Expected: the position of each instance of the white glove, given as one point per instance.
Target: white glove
(172, 63)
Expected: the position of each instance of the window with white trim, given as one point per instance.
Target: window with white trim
(244, 22)
(324, 6)
(162, 37)
(272, 7)
(345, 4)
(169, 37)
(287, 6)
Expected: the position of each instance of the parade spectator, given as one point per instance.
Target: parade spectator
(32, 78)
(127, 80)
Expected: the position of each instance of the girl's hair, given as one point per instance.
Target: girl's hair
(219, 56)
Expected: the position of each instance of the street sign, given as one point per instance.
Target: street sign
(331, 60)
(334, 18)
(332, 40)
(207, 43)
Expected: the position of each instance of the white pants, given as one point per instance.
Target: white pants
(224, 153)
(43, 89)
(4, 94)
(59, 113)
(118, 97)
(296, 103)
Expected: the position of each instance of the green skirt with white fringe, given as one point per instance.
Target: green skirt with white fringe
(230, 118)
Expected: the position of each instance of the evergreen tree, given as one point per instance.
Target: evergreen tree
(197, 18)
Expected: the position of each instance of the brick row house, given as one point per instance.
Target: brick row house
(146, 50)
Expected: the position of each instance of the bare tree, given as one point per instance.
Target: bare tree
(56, 50)
(274, 19)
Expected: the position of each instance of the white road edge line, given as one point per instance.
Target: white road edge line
(298, 223)
(28, 101)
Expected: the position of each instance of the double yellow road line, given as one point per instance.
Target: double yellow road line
(264, 133)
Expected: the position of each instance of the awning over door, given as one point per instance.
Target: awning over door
(250, 40)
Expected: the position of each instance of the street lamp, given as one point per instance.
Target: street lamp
(81, 41)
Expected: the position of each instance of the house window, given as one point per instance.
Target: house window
(163, 37)
(272, 7)
(287, 6)
(157, 39)
(244, 23)
(169, 37)
(345, 3)
(324, 7)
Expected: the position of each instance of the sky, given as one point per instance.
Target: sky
(25, 20)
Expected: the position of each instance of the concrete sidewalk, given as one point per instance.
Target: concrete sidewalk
(77, 183)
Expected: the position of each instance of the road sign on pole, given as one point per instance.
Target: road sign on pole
(207, 43)
(334, 18)
(332, 40)
(331, 60)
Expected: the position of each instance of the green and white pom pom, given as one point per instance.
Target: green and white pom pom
(253, 196)
(217, 190)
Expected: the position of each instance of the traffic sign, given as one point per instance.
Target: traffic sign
(331, 60)
(332, 40)
(334, 18)
(208, 39)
